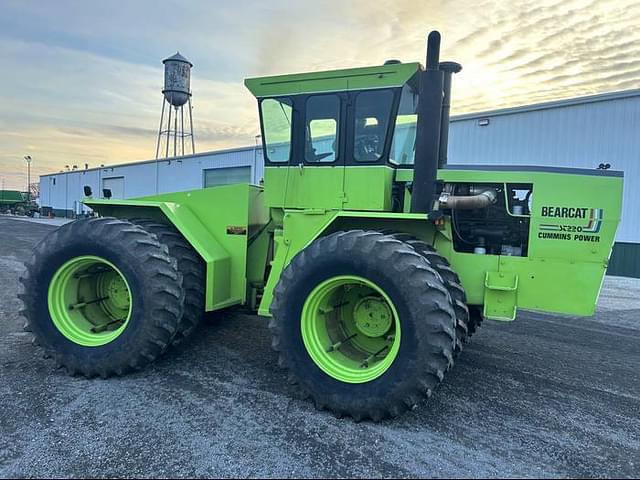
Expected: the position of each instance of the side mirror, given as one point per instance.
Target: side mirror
(87, 191)
(106, 193)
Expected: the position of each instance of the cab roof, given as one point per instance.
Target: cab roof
(383, 76)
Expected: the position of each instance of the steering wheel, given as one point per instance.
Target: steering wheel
(366, 147)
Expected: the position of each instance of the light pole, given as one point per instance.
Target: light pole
(28, 159)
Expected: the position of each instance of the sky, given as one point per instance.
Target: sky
(81, 81)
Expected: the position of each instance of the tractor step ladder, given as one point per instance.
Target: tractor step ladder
(500, 295)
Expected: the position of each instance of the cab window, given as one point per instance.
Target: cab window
(372, 114)
(276, 124)
(403, 145)
(321, 128)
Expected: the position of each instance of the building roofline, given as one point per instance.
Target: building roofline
(141, 162)
(600, 97)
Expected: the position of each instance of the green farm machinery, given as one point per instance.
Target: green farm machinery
(374, 260)
(16, 202)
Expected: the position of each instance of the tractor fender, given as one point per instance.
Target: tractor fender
(216, 257)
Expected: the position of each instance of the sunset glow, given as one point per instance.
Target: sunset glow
(81, 81)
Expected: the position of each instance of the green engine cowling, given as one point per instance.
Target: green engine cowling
(571, 222)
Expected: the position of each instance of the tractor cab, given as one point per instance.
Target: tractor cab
(333, 140)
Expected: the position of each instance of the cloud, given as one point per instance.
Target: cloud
(81, 80)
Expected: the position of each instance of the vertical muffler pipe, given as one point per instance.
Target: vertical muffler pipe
(431, 83)
(449, 68)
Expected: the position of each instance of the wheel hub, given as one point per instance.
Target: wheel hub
(373, 317)
(117, 291)
(350, 329)
(89, 301)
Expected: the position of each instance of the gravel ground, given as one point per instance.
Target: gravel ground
(545, 396)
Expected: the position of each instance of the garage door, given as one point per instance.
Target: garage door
(116, 185)
(226, 176)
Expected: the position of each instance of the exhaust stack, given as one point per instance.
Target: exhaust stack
(432, 129)
(428, 129)
(449, 68)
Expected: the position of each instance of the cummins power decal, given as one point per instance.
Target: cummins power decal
(589, 232)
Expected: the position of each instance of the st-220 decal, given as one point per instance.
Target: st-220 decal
(581, 233)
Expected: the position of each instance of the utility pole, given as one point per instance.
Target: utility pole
(28, 159)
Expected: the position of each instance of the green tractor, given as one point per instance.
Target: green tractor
(374, 260)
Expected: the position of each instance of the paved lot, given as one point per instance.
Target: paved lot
(56, 221)
(543, 396)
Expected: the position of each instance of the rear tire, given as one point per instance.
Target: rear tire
(138, 289)
(397, 280)
(192, 268)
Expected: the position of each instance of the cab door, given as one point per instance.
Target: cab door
(316, 171)
(277, 118)
(368, 179)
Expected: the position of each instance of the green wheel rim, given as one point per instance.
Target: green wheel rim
(89, 301)
(351, 329)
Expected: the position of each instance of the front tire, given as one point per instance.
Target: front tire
(102, 297)
(363, 324)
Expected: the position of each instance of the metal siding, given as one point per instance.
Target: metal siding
(171, 175)
(574, 135)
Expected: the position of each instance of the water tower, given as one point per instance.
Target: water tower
(176, 93)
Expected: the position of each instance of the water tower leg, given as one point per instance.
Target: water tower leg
(175, 133)
(193, 144)
(160, 129)
(168, 132)
(182, 126)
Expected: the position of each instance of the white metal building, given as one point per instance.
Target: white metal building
(581, 132)
(63, 192)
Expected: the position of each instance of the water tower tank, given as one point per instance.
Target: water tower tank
(177, 79)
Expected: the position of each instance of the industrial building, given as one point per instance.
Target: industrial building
(580, 132)
(63, 192)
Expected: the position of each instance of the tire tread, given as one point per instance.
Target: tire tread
(436, 336)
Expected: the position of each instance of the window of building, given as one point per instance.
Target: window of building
(226, 176)
(115, 184)
(276, 121)
(321, 128)
(372, 114)
(403, 146)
